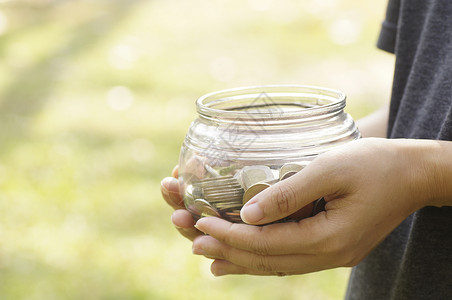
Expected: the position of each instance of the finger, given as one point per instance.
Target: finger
(221, 267)
(306, 236)
(184, 223)
(259, 264)
(183, 219)
(169, 187)
(288, 196)
(189, 233)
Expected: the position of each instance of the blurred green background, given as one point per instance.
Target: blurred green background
(95, 99)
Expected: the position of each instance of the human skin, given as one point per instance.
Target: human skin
(370, 186)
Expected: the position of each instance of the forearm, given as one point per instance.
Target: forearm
(431, 161)
(375, 124)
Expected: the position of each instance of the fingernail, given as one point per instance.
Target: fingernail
(219, 272)
(198, 250)
(170, 183)
(199, 228)
(173, 183)
(251, 213)
(164, 184)
(181, 228)
(170, 187)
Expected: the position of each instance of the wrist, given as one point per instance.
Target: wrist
(441, 172)
(432, 164)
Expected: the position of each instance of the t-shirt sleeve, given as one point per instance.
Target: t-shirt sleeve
(387, 39)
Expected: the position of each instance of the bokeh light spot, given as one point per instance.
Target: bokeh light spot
(120, 98)
(122, 56)
(345, 31)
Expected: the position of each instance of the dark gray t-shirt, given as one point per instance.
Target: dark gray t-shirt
(415, 260)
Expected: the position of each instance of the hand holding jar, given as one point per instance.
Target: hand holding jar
(370, 186)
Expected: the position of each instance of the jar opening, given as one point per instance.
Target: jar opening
(271, 101)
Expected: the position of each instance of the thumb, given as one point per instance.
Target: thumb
(290, 195)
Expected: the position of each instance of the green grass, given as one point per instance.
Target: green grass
(81, 212)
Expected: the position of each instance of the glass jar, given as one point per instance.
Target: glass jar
(246, 139)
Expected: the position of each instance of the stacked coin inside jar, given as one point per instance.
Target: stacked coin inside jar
(224, 196)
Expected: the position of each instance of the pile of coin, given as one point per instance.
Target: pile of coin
(224, 196)
(218, 196)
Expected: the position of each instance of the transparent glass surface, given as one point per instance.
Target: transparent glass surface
(247, 139)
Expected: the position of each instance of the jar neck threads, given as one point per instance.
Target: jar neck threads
(270, 123)
(271, 105)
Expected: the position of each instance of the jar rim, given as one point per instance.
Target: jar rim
(324, 101)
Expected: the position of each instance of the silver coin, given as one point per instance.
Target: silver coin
(212, 172)
(251, 175)
(288, 174)
(214, 179)
(205, 209)
(231, 205)
(221, 193)
(223, 189)
(296, 167)
(254, 190)
(271, 182)
(218, 203)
